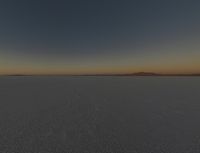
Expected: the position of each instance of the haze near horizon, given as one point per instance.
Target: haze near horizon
(99, 37)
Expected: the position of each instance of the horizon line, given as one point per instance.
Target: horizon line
(111, 74)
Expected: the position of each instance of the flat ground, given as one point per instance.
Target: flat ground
(99, 114)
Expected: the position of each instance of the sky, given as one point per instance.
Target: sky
(99, 37)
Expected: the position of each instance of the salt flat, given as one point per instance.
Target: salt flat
(99, 114)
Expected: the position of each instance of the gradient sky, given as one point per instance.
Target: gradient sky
(104, 36)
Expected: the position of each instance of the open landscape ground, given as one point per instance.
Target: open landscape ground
(99, 114)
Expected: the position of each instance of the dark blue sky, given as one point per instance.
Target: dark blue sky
(90, 29)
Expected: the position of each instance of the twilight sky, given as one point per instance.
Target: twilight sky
(104, 36)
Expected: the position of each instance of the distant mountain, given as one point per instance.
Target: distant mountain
(15, 75)
(158, 74)
(143, 74)
(125, 74)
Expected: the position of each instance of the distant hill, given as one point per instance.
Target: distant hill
(158, 74)
(125, 74)
(142, 74)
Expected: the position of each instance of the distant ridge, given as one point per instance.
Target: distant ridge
(142, 74)
(123, 74)
(17, 75)
(159, 74)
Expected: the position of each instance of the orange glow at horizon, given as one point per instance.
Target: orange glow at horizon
(166, 62)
